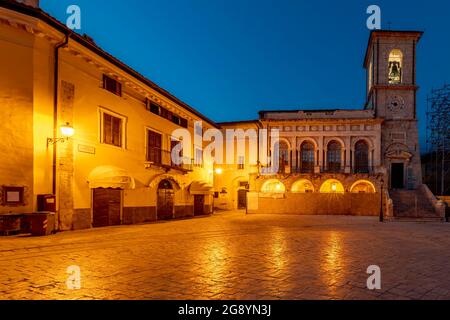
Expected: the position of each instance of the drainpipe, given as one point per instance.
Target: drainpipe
(55, 111)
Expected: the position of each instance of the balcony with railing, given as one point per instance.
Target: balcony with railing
(163, 158)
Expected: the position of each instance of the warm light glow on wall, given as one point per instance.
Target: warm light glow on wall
(302, 186)
(363, 186)
(273, 186)
(219, 171)
(67, 131)
(332, 186)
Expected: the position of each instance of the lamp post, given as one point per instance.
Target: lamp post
(381, 207)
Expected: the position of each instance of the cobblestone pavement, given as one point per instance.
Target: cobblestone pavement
(233, 256)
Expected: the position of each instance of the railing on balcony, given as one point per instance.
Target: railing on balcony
(363, 169)
(332, 169)
(163, 158)
(303, 169)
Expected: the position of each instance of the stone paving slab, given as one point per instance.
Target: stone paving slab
(233, 256)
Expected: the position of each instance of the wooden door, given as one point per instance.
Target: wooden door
(107, 205)
(199, 205)
(165, 200)
(242, 199)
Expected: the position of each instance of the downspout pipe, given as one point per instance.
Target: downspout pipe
(55, 115)
(55, 107)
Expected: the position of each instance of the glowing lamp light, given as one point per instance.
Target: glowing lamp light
(219, 171)
(67, 131)
(334, 187)
(278, 187)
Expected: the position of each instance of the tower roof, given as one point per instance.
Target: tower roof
(376, 34)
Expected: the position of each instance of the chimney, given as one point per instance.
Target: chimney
(32, 3)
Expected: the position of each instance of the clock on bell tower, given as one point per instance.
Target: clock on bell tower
(390, 63)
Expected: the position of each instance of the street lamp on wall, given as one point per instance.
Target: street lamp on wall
(67, 131)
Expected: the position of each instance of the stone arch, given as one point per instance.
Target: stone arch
(395, 66)
(273, 186)
(367, 140)
(154, 182)
(307, 139)
(330, 139)
(363, 186)
(332, 186)
(302, 186)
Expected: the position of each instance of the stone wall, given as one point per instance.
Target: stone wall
(16, 115)
(320, 204)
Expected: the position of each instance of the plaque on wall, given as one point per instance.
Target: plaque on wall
(86, 149)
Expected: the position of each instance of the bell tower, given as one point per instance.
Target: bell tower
(390, 63)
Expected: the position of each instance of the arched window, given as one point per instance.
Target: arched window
(334, 156)
(361, 157)
(273, 186)
(395, 66)
(283, 155)
(332, 186)
(302, 186)
(362, 186)
(307, 157)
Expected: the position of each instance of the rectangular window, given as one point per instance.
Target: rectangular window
(154, 147)
(241, 163)
(112, 85)
(173, 144)
(175, 119)
(183, 123)
(154, 108)
(198, 160)
(166, 114)
(112, 130)
(13, 196)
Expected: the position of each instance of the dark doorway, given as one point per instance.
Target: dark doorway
(199, 205)
(165, 200)
(397, 176)
(107, 204)
(242, 199)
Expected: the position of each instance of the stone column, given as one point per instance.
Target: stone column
(348, 148)
(65, 159)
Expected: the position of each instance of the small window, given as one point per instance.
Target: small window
(112, 85)
(13, 196)
(198, 160)
(154, 108)
(175, 119)
(183, 123)
(166, 114)
(112, 130)
(154, 144)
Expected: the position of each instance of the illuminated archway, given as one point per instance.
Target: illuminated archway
(363, 186)
(302, 186)
(332, 186)
(395, 66)
(273, 186)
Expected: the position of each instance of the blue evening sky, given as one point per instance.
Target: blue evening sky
(230, 59)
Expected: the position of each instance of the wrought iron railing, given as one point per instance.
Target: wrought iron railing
(163, 158)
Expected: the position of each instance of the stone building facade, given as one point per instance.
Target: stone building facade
(118, 168)
(358, 162)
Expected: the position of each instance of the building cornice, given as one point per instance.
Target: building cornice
(37, 22)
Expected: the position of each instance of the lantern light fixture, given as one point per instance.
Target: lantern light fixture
(67, 131)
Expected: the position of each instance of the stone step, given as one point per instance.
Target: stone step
(413, 219)
(412, 205)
